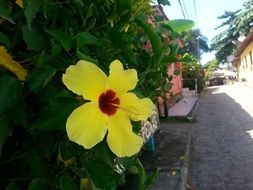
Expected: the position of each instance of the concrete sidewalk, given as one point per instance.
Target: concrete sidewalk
(171, 154)
(184, 108)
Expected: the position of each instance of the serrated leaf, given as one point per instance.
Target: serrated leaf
(40, 77)
(55, 116)
(86, 38)
(64, 39)
(11, 90)
(33, 38)
(179, 25)
(67, 183)
(5, 40)
(10, 64)
(38, 184)
(4, 11)
(31, 8)
(154, 38)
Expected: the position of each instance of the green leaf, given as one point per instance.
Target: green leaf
(179, 25)
(11, 186)
(85, 57)
(155, 40)
(177, 72)
(142, 176)
(103, 153)
(151, 179)
(55, 116)
(64, 39)
(40, 77)
(123, 7)
(186, 59)
(86, 38)
(32, 38)
(169, 59)
(102, 175)
(38, 184)
(19, 113)
(4, 11)
(67, 149)
(31, 8)
(6, 127)
(11, 90)
(5, 40)
(67, 183)
(37, 163)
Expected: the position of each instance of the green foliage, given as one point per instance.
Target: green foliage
(154, 39)
(195, 43)
(37, 184)
(46, 37)
(11, 91)
(191, 71)
(236, 23)
(179, 25)
(210, 67)
(4, 11)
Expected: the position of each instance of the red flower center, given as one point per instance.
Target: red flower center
(108, 102)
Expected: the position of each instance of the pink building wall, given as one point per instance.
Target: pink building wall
(176, 89)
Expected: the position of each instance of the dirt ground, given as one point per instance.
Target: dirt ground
(221, 154)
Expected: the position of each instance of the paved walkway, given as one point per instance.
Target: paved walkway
(183, 107)
(221, 156)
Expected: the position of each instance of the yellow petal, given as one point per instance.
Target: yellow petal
(20, 3)
(8, 63)
(136, 109)
(121, 140)
(85, 79)
(86, 125)
(121, 80)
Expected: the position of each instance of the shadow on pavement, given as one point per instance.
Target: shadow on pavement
(222, 143)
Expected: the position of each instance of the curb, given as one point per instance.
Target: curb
(185, 169)
(192, 113)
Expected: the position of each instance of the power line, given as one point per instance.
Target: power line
(195, 12)
(182, 9)
(185, 9)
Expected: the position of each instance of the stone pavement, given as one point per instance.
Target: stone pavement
(222, 140)
(171, 154)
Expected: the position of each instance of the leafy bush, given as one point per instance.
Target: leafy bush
(39, 40)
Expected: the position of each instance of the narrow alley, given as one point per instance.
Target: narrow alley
(221, 154)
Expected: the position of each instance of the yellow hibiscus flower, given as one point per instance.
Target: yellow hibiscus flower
(110, 109)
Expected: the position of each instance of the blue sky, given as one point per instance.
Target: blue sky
(207, 12)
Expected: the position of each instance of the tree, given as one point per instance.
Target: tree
(195, 43)
(210, 67)
(238, 23)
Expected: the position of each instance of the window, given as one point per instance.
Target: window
(251, 61)
(245, 60)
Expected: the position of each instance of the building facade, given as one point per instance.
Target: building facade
(243, 61)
